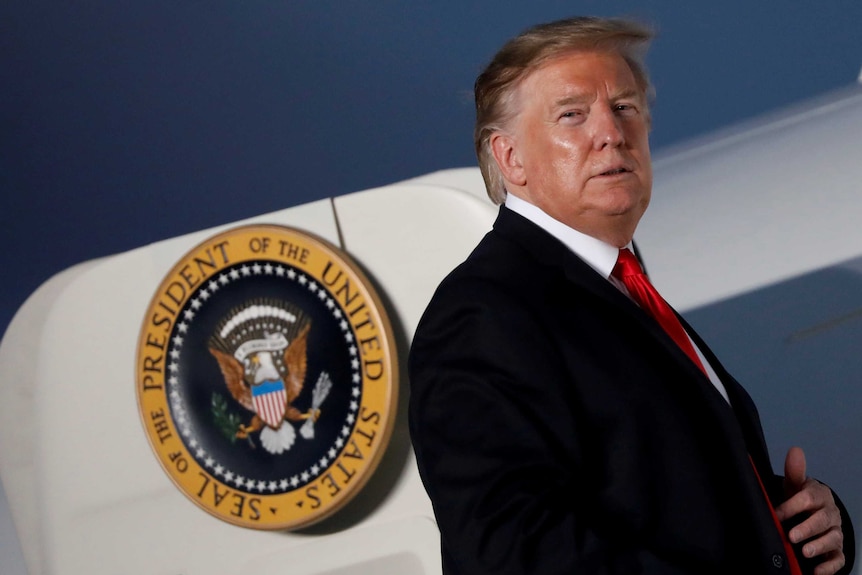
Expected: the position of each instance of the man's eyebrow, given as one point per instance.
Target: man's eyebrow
(629, 93)
(577, 99)
(572, 99)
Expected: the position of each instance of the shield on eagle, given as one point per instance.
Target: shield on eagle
(270, 401)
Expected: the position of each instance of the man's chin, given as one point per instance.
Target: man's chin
(625, 207)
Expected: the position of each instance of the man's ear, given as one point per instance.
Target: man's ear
(505, 149)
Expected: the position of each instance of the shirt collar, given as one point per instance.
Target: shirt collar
(599, 255)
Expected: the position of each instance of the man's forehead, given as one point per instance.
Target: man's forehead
(569, 77)
(576, 63)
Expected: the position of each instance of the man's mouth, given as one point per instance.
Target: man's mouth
(614, 172)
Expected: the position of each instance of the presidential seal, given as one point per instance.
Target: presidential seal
(267, 377)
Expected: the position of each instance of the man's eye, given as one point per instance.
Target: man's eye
(626, 109)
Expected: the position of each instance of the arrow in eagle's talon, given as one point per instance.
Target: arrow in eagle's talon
(313, 414)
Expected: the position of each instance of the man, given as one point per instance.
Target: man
(563, 420)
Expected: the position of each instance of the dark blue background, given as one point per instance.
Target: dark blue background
(124, 123)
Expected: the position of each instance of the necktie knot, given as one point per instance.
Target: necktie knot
(627, 265)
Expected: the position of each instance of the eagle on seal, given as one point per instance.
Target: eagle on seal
(262, 353)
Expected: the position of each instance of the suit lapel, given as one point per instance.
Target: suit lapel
(743, 407)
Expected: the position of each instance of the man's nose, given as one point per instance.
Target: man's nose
(607, 131)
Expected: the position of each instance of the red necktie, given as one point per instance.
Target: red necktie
(629, 271)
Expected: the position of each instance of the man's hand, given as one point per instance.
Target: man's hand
(821, 531)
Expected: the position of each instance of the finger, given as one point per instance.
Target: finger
(831, 565)
(830, 542)
(820, 522)
(812, 496)
(794, 470)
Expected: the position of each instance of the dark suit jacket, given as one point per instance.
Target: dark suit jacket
(558, 429)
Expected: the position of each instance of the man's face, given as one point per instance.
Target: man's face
(580, 145)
